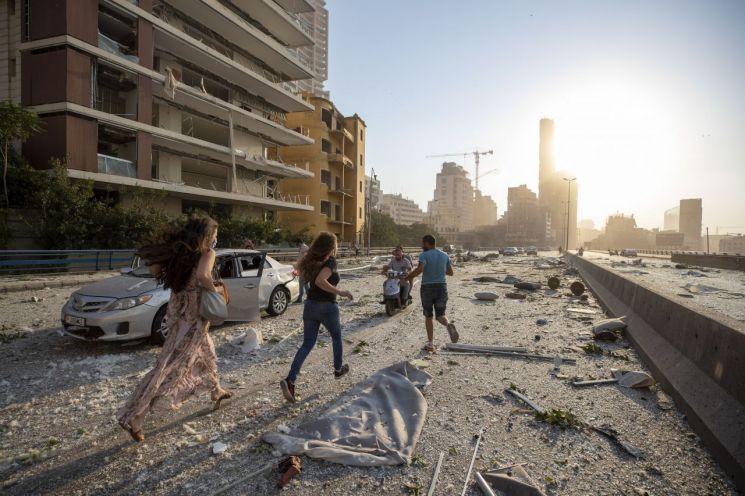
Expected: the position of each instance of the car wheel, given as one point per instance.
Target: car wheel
(159, 329)
(278, 301)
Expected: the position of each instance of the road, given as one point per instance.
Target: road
(702, 288)
(58, 398)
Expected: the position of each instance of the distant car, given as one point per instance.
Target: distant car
(520, 250)
(531, 250)
(510, 252)
(133, 305)
(628, 252)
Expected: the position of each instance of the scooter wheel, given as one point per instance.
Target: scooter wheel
(390, 307)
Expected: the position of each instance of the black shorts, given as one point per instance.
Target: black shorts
(434, 296)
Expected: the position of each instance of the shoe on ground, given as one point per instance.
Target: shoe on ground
(344, 370)
(288, 390)
(429, 347)
(454, 336)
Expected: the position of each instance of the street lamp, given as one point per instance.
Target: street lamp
(569, 202)
(373, 177)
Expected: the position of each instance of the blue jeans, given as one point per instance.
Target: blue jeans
(434, 295)
(316, 313)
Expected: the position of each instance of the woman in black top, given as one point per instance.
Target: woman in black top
(318, 267)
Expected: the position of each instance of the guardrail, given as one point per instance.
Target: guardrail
(15, 262)
(55, 261)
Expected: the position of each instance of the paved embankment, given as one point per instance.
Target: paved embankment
(58, 397)
(695, 354)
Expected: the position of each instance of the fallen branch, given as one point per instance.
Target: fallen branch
(436, 474)
(473, 459)
(515, 354)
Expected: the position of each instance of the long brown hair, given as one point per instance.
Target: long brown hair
(311, 264)
(178, 252)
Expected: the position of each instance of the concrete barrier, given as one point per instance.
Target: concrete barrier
(731, 262)
(696, 356)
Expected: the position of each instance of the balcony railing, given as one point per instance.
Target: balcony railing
(112, 46)
(116, 166)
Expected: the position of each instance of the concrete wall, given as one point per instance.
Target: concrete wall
(732, 262)
(697, 358)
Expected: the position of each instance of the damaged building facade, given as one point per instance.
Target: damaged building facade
(188, 97)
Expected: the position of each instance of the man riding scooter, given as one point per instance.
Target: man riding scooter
(400, 263)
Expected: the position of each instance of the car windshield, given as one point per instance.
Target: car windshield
(141, 271)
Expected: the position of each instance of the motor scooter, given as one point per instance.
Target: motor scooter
(393, 300)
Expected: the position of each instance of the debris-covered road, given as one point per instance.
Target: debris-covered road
(58, 397)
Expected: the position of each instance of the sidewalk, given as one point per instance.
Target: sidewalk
(9, 284)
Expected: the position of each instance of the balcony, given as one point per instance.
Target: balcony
(296, 6)
(339, 158)
(283, 26)
(116, 166)
(238, 31)
(170, 39)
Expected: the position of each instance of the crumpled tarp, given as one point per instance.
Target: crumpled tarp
(377, 423)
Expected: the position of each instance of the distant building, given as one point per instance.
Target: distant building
(402, 210)
(452, 209)
(525, 220)
(372, 188)
(690, 222)
(621, 232)
(336, 159)
(557, 197)
(672, 219)
(313, 19)
(734, 244)
(586, 232)
(669, 240)
(484, 210)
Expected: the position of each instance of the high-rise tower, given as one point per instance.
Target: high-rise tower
(546, 160)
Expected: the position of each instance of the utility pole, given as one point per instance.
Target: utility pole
(569, 203)
(707, 240)
(368, 222)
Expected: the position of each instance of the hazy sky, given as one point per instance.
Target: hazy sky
(648, 96)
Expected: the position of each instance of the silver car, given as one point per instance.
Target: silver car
(133, 305)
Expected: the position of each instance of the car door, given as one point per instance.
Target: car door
(243, 289)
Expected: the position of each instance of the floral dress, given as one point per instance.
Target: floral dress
(186, 366)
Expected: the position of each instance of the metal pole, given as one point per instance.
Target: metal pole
(707, 240)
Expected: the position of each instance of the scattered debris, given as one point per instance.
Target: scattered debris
(609, 329)
(584, 311)
(265, 468)
(554, 282)
(360, 347)
(288, 469)
(516, 296)
(248, 341)
(487, 279)
(413, 487)
(592, 349)
(283, 429)
(433, 484)
(541, 322)
(563, 419)
(577, 288)
(473, 459)
(681, 266)
(511, 280)
(633, 379)
(513, 480)
(491, 350)
(218, 448)
(486, 348)
(484, 485)
(486, 296)
(529, 286)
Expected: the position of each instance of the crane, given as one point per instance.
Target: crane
(476, 155)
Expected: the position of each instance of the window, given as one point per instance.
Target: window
(337, 212)
(326, 117)
(326, 208)
(226, 268)
(360, 212)
(325, 145)
(338, 184)
(362, 160)
(362, 134)
(326, 177)
(250, 265)
(360, 186)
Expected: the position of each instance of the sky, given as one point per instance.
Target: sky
(648, 97)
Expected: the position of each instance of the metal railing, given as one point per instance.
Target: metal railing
(116, 166)
(56, 261)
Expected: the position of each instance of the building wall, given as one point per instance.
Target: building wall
(690, 222)
(402, 210)
(10, 57)
(452, 209)
(485, 210)
(348, 224)
(734, 244)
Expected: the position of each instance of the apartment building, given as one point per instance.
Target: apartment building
(402, 210)
(525, 222)
(314, 20)
(189, 97)
(484, 210)
(337, 159)
(452, 209)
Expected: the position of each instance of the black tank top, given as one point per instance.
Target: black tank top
(317, 294)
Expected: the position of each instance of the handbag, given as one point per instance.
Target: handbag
(212, 307)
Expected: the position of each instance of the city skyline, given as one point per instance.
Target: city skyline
(634, 123)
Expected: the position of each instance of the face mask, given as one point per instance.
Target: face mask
(213, 245)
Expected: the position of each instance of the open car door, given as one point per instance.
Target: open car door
(242, 277)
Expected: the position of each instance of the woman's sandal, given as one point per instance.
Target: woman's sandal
(138, 436)
(225, 395)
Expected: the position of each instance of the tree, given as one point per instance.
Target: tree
(16, 123)
(383, 231)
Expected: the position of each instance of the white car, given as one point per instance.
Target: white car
(133, 305)
(510, 252)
